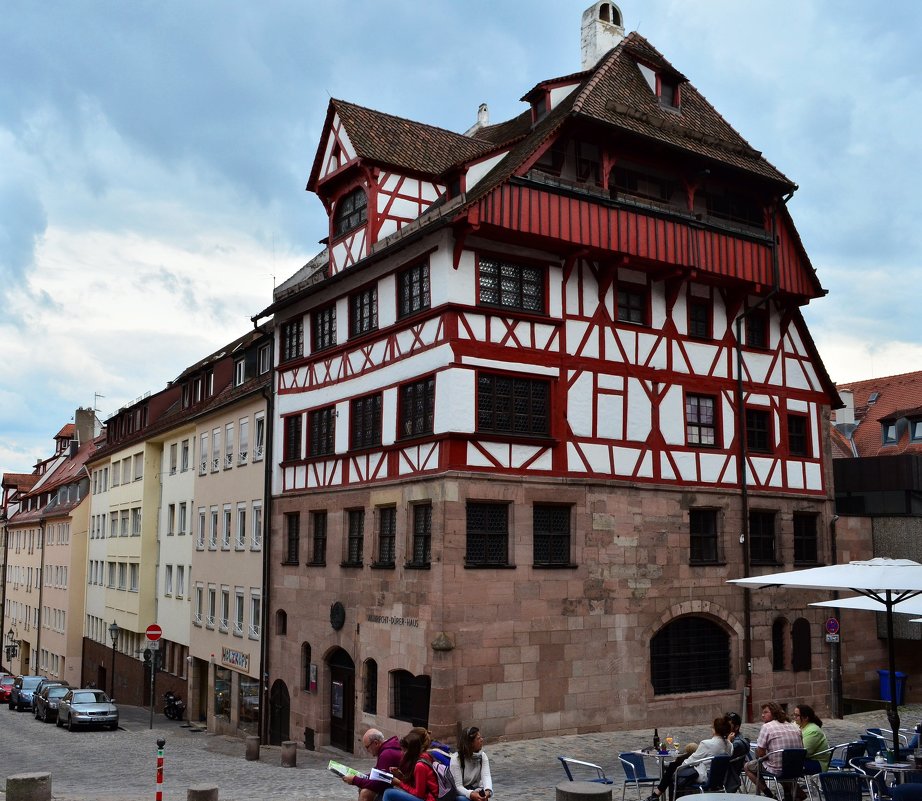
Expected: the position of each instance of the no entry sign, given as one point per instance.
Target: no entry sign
(154, 632)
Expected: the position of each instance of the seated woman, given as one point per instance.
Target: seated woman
(415, 778)
(470, 767)
(811, 729)
(694, 769)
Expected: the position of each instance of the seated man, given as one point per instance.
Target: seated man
(740, 753)
(387, 753)
(777, 733)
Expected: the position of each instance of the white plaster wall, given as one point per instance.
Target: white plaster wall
(638, 412)
(476, 172)
(454, 408)
(580, 411)
(672, 416)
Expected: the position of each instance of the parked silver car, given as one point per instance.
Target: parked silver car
(45, 701)
(87, 707)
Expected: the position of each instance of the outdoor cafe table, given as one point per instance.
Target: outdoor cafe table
(659, 756)
(896, 768)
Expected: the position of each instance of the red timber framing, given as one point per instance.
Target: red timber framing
(656, 238)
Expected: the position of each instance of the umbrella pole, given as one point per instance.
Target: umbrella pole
(893, 712)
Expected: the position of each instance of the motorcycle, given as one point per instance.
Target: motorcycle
(173, 706)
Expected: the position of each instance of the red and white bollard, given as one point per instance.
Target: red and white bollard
(160, 743)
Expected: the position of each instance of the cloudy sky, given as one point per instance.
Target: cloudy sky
(153, 157)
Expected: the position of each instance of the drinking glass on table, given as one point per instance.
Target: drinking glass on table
(669, 742)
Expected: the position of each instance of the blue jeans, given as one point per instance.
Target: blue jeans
(396, 794)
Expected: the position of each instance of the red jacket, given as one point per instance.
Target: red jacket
(424, 784)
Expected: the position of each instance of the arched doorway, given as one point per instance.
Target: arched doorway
(279, 713)
(342, 700)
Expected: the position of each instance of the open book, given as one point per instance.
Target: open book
(344, 770)
(381, 776)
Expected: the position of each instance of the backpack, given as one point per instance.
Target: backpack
(447, 791)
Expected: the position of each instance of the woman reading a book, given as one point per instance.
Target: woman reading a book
(470, 767)
(415, 778)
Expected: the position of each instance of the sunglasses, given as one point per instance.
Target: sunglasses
(471, 732)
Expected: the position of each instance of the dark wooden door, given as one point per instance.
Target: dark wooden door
(279, 713)
(342, 700)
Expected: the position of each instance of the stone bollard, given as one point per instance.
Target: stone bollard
(28, 787)
(202, 792)
(252, 748)
(583, 791)
(290, 754)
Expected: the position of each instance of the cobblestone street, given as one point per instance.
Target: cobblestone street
(121, 766)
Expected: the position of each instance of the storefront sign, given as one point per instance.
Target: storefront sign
(412, 622)
(235, 659)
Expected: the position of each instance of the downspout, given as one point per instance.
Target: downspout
(41, 591)
(3, 580)
(269, 394)
(835, 655)
(744, 486)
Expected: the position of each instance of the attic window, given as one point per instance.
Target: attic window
(539, 107)
(872, 398)
(889, 432)
(668, 91)
(351, 212)
(915, 430)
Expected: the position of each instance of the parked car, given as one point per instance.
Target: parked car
(45, 701)
(22, 690)
(6, 684)
(87, 707)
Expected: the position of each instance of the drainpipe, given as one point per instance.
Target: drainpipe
(741, 440)
(5, 531)
(268, 394)
(41, 590)
(835, 655)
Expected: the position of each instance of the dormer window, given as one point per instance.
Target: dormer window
(539, 107)
(668, 91)
(915, 430)
(351, 212)
(889, 433)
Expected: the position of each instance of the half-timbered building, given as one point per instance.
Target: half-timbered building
(547, 387)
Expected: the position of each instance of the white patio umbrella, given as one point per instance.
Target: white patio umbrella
(911, 607)
(887, 582)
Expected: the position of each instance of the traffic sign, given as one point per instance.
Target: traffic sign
(832, 638)
(832, 626)
(154, 632)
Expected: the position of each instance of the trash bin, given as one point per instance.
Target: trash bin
(885, 686)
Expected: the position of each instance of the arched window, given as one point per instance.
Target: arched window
(351, 212)
(370, 700)
(690, 654)
(306, 666)
(801, 656)
(779, 638)
(281, 622)
(410, 697)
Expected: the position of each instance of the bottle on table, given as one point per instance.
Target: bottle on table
(656, 739)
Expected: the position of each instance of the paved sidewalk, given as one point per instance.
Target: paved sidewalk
(120, 766)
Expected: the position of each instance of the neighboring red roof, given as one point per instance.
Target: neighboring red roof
(20, 481)
(67, 432)
(897, 397)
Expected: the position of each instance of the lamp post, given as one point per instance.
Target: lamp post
(113, 635)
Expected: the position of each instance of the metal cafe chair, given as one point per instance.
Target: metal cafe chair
(635, 774)
(842, 785)
(714, 783)
(792, 771)
(569, 762)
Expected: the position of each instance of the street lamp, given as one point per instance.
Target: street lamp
(12, 647)
(113, 635)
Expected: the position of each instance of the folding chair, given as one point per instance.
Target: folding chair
(714, 783)
(600, 777)
(635, 774)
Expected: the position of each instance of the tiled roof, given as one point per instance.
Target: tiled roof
(405, 144)
(898, 396)
(20, 481)
(618, 95)
(67, 432)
